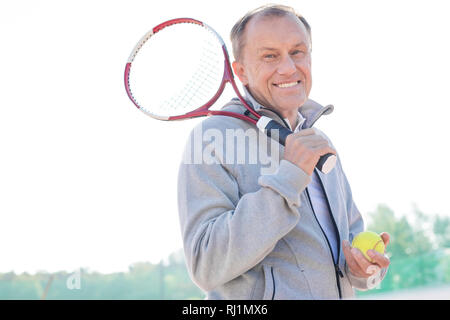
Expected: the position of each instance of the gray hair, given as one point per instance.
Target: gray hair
(269, 10)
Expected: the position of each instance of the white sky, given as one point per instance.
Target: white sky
(86, 180)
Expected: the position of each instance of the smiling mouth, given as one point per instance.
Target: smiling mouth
(286, 84)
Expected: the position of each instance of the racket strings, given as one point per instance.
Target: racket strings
(177, 70)
(195, 89)
(199, 87)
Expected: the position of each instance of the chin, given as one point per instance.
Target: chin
(292, 105)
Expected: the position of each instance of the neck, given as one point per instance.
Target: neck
(292, 117)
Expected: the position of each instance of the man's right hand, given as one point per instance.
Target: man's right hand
(305, 148)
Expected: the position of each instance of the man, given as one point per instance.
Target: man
(283, 234)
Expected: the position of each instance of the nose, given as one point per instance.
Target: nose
(286, 66)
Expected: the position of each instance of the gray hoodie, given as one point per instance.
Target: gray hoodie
(248, 227)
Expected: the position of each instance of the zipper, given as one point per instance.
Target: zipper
(337, 271)
(332, 217)
(273, 283)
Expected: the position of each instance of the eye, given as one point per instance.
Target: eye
(298, 52)
(269, 56)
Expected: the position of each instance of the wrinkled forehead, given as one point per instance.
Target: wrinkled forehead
(262, 30)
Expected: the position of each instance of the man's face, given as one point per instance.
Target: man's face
(275, 62)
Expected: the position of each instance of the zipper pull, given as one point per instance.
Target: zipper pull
(338, 270)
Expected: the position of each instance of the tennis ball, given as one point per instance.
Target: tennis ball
(368, 240)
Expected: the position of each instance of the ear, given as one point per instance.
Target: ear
(239, 70)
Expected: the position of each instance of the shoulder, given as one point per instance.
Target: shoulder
(320, 132)
(222, 123)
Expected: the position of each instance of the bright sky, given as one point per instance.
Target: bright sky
(86, 180)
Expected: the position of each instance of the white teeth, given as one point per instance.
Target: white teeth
(287, 85)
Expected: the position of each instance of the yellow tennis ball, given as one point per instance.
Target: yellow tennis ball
(368, 240)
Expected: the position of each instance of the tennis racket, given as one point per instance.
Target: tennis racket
(180, 68)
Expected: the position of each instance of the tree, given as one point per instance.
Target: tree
(441, 228)
(414, 260)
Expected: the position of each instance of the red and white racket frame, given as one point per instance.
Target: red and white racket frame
(203, 110)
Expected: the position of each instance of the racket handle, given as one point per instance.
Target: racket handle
(326, 162)
(279, 133)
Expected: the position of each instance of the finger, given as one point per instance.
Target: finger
(373, 269)
(386, 238)
(306, 132)
(351, 262)
(378, 258)
(313, 140)
(316, 144)
(324, 149)
(361, 260)
(303, 137)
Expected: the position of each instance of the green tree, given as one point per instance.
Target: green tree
(412, 250)
(419, 251)
(441, 228)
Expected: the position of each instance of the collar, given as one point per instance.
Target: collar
(257, 106)
(299, 124)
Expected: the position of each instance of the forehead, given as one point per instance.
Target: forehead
(262, 30)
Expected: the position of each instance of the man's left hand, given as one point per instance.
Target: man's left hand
(359, 265)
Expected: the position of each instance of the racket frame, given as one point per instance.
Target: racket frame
(204, 109)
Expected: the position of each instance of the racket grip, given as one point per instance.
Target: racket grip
(279, 133)
(326, 162)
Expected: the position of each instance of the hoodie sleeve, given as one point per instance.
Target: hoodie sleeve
(224, 233)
